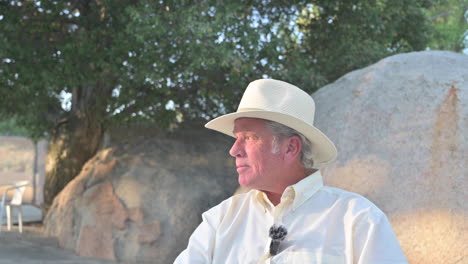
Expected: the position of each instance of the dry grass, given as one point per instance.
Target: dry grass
(16, 155)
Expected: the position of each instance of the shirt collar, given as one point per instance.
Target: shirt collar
(299, 192)
(305, 188)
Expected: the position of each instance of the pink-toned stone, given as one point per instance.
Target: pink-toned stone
(95, 243)
(105, 205)
(99, 209)
(139, 200)
(102, 170)
(136, 215)
(149, 233)
(400, 129)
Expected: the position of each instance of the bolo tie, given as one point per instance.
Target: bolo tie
(277, 234)
(277, 231)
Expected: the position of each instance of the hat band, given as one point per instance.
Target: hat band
(250, 109)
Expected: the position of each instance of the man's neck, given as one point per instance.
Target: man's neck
(275, 198)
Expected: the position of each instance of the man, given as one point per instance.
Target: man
(289, 216)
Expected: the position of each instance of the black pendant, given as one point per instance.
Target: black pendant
(277, 234)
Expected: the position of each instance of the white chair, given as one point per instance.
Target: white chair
(16, 201)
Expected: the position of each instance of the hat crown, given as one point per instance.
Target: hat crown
(280, 97)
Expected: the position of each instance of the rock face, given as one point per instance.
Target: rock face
(138, 201)
(400, 127)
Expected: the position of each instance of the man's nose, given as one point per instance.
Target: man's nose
(236, 149)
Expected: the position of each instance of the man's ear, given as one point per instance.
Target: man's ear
(293, 148)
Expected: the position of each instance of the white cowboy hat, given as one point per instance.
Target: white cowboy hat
(283, 103)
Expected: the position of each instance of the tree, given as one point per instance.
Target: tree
(341, 36)
(123, 61)
(450, 20)
(71, 69)
(10, 127)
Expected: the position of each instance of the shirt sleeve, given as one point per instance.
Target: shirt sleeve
(202, 241)
(375, 242)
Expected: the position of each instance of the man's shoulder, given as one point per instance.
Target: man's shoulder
(233, 201)
(350, 200)
(218, 213)
(342, 193)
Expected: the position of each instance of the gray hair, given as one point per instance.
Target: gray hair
(281, 131)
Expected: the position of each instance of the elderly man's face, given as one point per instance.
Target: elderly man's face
(255, 161)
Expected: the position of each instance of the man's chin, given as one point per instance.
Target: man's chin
(245, 183)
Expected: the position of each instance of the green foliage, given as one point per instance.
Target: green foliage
(162, 61)
(341, 36)
(194, 57)
(10, 127)
(450, 20)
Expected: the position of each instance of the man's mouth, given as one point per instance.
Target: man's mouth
(241, 167)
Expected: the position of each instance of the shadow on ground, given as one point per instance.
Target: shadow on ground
(33, 247)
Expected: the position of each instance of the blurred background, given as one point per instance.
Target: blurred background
(105, 101)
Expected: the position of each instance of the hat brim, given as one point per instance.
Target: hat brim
(323, 149)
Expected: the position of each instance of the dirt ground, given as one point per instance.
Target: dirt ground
(33, 247)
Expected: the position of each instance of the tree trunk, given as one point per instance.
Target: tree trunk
(74, 141)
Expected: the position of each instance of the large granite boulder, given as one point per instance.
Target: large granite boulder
(139, 200)
(400, 127)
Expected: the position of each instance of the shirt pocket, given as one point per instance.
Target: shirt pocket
(306, 257)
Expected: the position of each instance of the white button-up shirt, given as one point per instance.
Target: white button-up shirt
(324, 224)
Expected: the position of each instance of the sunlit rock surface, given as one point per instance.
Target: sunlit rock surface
(401, 129)
(139, 200)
